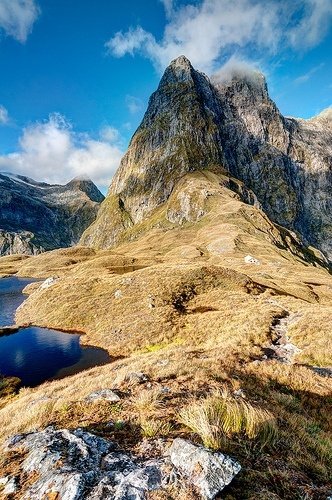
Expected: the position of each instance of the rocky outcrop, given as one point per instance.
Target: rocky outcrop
(76, 464)
(18, 243)
(35, 216)
(196, 124)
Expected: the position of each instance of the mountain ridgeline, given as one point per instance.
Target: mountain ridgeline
(233, 128)
(36, 216)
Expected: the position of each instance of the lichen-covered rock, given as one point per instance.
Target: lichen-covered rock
(47, 283)
(249, 259)
(10, 486)
(209, 472)
(72, 465)
(196, 124)
(75, 465)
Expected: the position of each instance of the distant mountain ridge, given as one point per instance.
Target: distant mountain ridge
(36, 216)
(193, 124)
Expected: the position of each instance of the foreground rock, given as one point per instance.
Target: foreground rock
(72, 465)
(209, 472)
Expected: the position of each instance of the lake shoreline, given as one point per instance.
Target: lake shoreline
(36, 354)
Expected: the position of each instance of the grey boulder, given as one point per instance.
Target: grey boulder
(209, 472)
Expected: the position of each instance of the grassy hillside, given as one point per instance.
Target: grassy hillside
(177, 301)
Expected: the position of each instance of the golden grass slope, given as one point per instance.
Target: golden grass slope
(177, 301)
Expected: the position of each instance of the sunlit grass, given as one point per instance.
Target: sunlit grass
(221, 416)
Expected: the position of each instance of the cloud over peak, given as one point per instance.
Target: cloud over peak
(17, 18)
(207, 30)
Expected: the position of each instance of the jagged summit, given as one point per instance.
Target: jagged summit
(181, 62)
(196, 124)
(179, 70)
(323, 118)
(326, 114)
(250, 85)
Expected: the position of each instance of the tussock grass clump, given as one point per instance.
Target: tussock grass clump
(152, 427)
(221, 416)
(147, 401)
(147, 404)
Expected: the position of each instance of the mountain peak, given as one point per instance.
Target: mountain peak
(179, 70)
(326, 114)
(240, 78)
(85, 184)
(228, 123)
(181, 62)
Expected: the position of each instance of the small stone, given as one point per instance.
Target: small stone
(239, 393)
(4, 480)
(103, 395)
(251, 260)
(48, 282)
(11, 486)
(136, 378)
(162, 362)
(151, 302)
(118, 294)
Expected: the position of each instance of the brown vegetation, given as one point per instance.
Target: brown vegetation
(180, 305)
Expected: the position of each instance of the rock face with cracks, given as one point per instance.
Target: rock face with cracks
(73, 465)
(196, 124)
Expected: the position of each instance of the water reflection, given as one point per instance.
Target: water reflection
(11, 297)
(37, 354)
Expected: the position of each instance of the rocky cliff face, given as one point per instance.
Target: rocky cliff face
(37, 216)
(196, 124)
(18, 243)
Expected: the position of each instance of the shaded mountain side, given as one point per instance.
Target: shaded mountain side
(193, 123)
(37, 216)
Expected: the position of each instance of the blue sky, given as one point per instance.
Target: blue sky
(76, 74)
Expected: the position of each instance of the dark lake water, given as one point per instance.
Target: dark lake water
(37, 354)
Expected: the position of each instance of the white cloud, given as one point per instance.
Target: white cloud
(313, 25)
(17, 17)
(53, 152)
(110, 134)
(304, 78)
(4, 117)
(128, 43)
(238, 68)
(134, 104)
(168, 6)
(207, 30)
